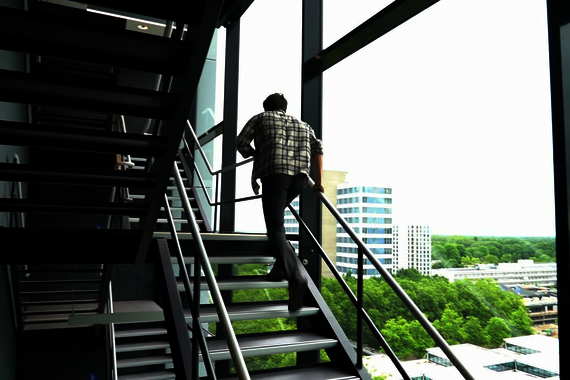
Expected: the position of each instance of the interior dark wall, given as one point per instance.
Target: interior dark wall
(65, 354)
(11, 112)
(7, 329)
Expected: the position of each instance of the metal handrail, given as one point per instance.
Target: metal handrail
(210, 170)
(215, 173)
(114, 374)
(197, 332)
(363, 249)
(356, 301)
(219, 304)
(16, 193)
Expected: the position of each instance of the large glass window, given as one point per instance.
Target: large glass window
(458, 91)
(338, 21)
(451, 112)
(270, 61)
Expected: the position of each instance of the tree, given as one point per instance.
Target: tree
(497, 330)
(474, 332)
(450, 326)
(522, 323)
(397, 335)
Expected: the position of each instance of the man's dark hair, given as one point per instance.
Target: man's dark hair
(275, 102)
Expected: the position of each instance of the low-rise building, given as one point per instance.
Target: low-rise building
(521, 358)
(523, 272)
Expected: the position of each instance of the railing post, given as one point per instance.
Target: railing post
(360, 308)
(180, 344)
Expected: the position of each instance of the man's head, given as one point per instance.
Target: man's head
(275, 102)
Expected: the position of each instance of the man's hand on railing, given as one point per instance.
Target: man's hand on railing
(317, 187)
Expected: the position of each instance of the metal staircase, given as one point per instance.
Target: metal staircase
(85, 71)
(143, 350)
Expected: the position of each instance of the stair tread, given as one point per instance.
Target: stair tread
(143, 360)
(248, 311)
(125, 330)
(321, 371)
(271, 343)
(73, 207)
(63, 175)
(240, 282)
(17, 133)
(140, 346)
(61, 282)
(157, 375)
(62, 308)
(58, 302)
(233, 259)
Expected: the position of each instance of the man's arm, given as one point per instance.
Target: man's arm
(243, 141)
(318, 167)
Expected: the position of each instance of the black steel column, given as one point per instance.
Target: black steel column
(311, 108)
(227, 211)
(559, 47)
(311, 112)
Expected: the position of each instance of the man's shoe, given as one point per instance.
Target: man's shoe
(297, 289)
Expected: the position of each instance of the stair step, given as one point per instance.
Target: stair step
(59, 270)
(249, 311)
(321, 371)
(42, 174)
(170, 197)
(65, 309)
(132, 330)
(158, 375)
(271, 343)
(108, 246)
(20, 87)
(25, 134)
(240, 282)
(144, 360)
(58, 292)
(51, 318)
(142, 346)
(164, 220)
(71, 207)
(231, 259)
(61, 282)
(58, 302)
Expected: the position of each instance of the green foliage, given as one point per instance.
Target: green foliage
(461, 251)
(477, 312)
(463, 312)
(497, 330)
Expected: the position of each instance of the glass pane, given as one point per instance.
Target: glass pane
(270, 61)
(209, 112)
(451, 113)
(337, 21)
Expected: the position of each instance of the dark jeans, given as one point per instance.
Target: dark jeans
(279, 190)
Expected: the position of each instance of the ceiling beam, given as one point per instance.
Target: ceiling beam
(378, 25)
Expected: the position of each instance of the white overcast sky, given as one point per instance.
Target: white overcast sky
(451, 109)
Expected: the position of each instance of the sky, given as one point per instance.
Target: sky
(451, 109)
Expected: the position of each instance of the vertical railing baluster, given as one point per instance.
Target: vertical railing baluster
(360, 308)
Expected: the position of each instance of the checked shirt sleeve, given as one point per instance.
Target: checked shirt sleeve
(244, 139)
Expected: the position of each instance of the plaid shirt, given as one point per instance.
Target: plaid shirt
(283, 145)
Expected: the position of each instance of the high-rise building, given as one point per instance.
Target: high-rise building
(412, 247)
(368, 211)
